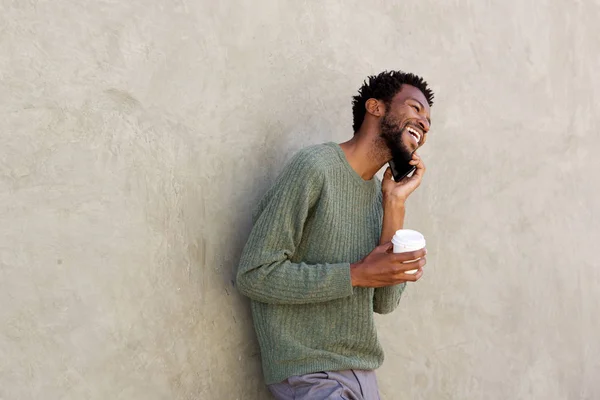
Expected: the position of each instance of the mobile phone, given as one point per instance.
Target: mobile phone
(401, 168)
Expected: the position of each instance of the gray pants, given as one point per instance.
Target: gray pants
(351, 384)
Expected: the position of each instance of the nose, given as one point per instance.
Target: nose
(424, 124)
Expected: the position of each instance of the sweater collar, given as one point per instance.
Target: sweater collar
(355, 176)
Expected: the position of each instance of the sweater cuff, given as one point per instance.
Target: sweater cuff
(342, 280)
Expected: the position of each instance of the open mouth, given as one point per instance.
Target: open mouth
(414, 133)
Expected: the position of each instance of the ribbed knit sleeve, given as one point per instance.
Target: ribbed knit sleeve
(266, 272)
(386, 299)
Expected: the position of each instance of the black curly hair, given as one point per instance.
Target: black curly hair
(384, 87)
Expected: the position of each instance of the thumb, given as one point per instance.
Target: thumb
(388, 173)
(386, 247)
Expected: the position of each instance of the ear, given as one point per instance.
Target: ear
(375, 107)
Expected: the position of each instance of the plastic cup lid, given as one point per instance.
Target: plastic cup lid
(408, 237)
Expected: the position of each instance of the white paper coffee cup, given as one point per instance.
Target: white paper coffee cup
(406, 240)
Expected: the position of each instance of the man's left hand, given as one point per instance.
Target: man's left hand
(397, 192)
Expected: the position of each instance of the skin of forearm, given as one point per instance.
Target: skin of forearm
(393, 219)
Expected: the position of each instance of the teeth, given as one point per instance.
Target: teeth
(416, 133)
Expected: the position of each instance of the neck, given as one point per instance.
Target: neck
(366, 154)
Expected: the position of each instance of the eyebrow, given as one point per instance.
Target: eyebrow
(422, 106)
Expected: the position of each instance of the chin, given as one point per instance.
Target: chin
(402, 152)
(408, 144)
(408, 147)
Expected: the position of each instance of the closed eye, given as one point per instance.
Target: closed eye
(416, 108)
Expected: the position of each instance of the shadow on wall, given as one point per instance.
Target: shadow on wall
(226, 166)
(261, 162)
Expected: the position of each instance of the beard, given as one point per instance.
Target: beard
(392, 136)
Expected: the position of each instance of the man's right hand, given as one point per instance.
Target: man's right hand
(382, 267)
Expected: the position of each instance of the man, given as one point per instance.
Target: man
(319, 260)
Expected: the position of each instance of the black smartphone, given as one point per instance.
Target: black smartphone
(401, 168)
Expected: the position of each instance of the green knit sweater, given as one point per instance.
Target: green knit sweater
(319, 217)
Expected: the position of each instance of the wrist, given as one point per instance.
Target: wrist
(394, 202)
(355, 274)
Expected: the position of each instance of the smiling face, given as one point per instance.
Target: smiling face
(406, 122)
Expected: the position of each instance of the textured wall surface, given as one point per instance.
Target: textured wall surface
(137, 137)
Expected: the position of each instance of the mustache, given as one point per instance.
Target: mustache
(393, 129)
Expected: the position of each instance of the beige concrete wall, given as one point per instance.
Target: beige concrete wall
(137, 136)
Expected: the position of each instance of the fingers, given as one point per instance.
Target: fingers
(413, 277)
(409, 256)
(415, 159)
(405, 277)
(420, 171)
(411, 266)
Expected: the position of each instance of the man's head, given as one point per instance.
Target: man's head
(398, 105)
